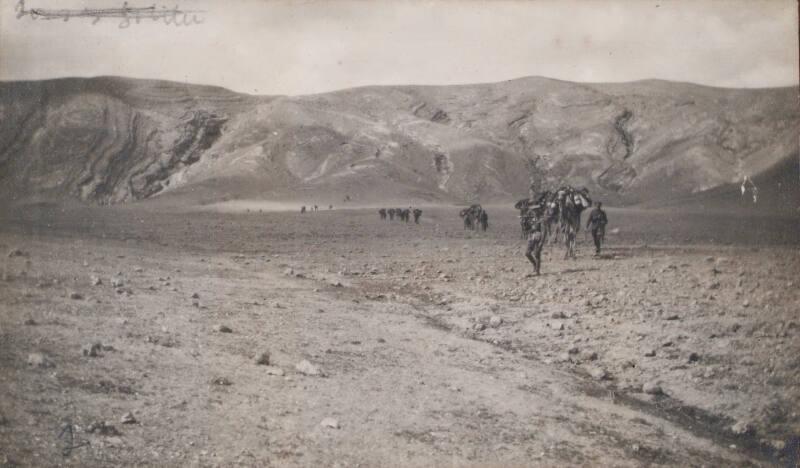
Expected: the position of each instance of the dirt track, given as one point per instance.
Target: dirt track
(436, 346)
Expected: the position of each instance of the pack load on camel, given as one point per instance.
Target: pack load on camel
(558, 212)
(473, 217)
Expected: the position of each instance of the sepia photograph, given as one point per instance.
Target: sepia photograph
(399, 233)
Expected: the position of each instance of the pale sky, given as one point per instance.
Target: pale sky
(301, 47)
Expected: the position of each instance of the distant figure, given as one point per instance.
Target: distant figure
(748, 184)
(382, 213)
(417, 214)
(347, 198)
(535, 244)
(302, 209)
(597, 223)
(391, 214)
(484, 218)
(330, 207)
(406, 214)
(315, 207)
(467, 222)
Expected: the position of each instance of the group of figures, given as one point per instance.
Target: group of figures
(312, 208)
(475, 217)
(402, 214)
(553, 215)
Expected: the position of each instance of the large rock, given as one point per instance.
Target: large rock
(39, 360)
(92, 349)
(330, 423)
(652, 388)
(306, 368)
(263, 358)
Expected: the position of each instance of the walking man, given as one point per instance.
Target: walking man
(535, 244)
(484, 218)
(597, 223)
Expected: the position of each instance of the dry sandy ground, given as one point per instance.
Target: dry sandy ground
(433, 345)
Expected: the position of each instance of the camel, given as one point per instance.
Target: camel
(571, 204)
(302, 209)
(472, 216)
(467, 221)
(417, 214)
(556, 213)
(382, 213)
(391, 214)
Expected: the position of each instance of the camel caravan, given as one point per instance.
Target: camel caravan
(475, 217)
(402, 214)
(556, 213)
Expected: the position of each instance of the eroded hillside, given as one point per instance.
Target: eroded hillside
(111, 140)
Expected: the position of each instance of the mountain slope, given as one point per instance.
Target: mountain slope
(111, 140)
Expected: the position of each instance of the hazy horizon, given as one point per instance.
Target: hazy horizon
(389, 85)
(311, 47)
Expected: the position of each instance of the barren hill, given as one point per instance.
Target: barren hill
(112, 140)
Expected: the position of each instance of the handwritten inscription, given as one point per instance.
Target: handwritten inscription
(126, 14)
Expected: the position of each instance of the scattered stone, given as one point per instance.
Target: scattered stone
(39, 360)
(222, 329)
(556, 325)
(598, 373)
(650, 353)
(91, 350)
(652, 388)
(778, 445)
(746, 304)
(128, 418)
(629, 364)
(558, 315)
(479, 326)
(30, 322)
(96, 281)
(117, 283)
(273, 370)
(75, 295)
(102, 428)
(330, 423)
(742, 428)
(306, 368)
(573, 350)
(263, 359)
(672, 317)
(735, 327)
(17, 253)
(495, 321)
(221, 381)
(195, 296)
(694, 357)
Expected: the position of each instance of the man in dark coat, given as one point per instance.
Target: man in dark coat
(597, 223)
